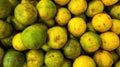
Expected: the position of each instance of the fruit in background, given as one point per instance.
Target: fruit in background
(90, 27)
(57, 37)
(84, 61)
(34, 36)
(7, 42)
(72, 49)
(109, 2)
(46, 9)
(67, 63)
(115, 11)
(35, 58)
(61, 2)
(5, 8)
(25, 13)
(94, 7)
(17, 42)
(110, 41)
(2, 52)
(90, 42)
(33, 2)
(17, 25)
(14, 3)
(83, 16)
(50, 22)
(77, 26)
(63, 16)
(103, 58)
(116, 26)
(102, 22)
(13, 58)
(77, 7)
(117, 64)
(114, 55)
(5, 29)
(46, 47)
(118, 50)
(54, 58)
(25, 64)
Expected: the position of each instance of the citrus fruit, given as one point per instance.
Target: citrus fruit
(90, 42)
(35, 58)
(109, 2)
(77, 26)
(13, 58)
(63, 16)
(25, 13)
(94, 7)
(34, 36)
(17, 43)
(54, 58)
(84, 61)
(77, 7)
(5, 29)
(62, 2)
(57, 37)
(116, 26)
(72, 49)
(110, 41)
(46, 9)
(102, 22)
(103, 58)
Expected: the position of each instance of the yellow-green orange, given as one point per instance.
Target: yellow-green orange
(118, 50)
(13, 58)
(7, 42)
(67, 63)
(114, 55)
(62, 2)
(77, 26)
(63, 16)
(34, 36)
(5, 29)
(84, 61)
(116, 26)
(102, 22)
(17, 25)
(17, 43)
(54, 58)
(50, 22)
(90, 27)
(33, 2)
(57, 37)
(25, 13)
(77, 7)
(117, 64)
(109, 2)
(94, 7)
(46, 9)
(90, 42)
(103, 58)
(46, 47)
(110, 41)
(115, 11)
(5, 8)
(72, 49)
(35, 58)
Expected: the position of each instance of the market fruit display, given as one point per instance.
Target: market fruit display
(59, 33)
